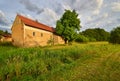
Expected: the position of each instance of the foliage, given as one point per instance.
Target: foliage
(85, 62)
(115, 36)
(6, 44)
(91, 39)
(81, 38)
(0, 36)
(50, 42)
(96, 34)
(68, 25)
(6, 32)
(3, 32)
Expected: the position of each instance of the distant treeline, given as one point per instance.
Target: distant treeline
(92, 35)
(98, 34)
(3, 33)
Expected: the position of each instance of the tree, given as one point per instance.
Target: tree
(115, 36)
(97, 34)
(1, 32)
(68, 25)
(81, 38)
(6, 32)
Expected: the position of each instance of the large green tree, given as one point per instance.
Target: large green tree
(68, 25)
(115, 36)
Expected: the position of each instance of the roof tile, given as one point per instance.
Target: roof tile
(35, 24)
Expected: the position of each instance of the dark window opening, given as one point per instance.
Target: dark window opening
(33, 33)
(41, 34)
(12, 40)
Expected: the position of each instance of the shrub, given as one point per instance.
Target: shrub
(92, 39)
(6, 44)
(82, 38)
(115, 36)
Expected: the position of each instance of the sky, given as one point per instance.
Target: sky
(92, 13)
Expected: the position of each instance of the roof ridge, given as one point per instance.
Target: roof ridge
(35, 24)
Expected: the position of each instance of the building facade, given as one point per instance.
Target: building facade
(28, 33)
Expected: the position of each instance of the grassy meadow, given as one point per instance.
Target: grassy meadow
(78, 62)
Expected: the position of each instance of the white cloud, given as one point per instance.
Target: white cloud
(91, 12)
(1, 14)
(66, 6)
(3, 20)
(85, 4)
(31, 7)
(98, 7)
(89, 18)
(105, 15)
(99, 3)
(49, 17)
(80, 15)
(50, 13)
(116, 6)
(97, 24)
(109, 22)
(29, 16)
(26, 15)
(96, 12)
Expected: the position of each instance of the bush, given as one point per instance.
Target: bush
(115, 36)
(92, 39)
(6, 44)
(82, 38)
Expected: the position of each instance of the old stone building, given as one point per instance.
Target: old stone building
(28, 33)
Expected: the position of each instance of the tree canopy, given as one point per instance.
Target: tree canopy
(1, 32)
(115, 36)
(68, 25)
(97, 34)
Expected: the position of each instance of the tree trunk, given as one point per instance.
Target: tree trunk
(66, 41)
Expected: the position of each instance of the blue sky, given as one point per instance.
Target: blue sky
(92, 13)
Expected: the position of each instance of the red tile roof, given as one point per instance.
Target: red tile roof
(35, 24)
(7, 35)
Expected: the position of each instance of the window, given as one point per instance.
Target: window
(33, 33)
(12, 40)
(41, 34)
(51, 37)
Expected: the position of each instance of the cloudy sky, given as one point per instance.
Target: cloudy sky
(92, 13)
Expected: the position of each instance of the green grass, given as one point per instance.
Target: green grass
(77, 62)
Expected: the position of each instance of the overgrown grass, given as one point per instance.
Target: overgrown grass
(77, 62)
